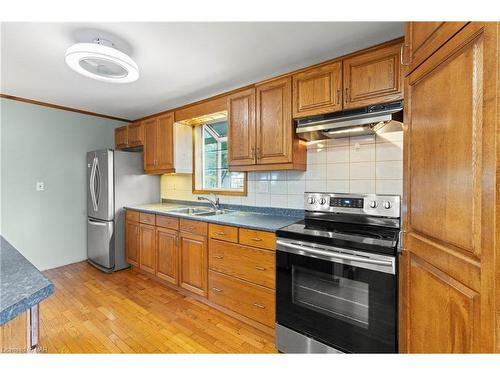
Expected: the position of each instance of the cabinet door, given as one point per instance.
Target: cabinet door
(135, 134)
(147, 253)
(422, 39)
(150, 144)
(167, 256)
(193, 263)
(449, 230)
(318, 90)
(241, 128)
(121, 137)
(274, 122)
(373, 77)
(165, 143)
(132, 242)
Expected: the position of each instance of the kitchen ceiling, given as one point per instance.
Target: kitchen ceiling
(179, 63)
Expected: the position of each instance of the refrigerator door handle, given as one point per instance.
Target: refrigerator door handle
(92, 184)
(98, 183)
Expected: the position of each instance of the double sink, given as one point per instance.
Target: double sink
(200, 211)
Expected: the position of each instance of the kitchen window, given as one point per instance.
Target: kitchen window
(211, 168)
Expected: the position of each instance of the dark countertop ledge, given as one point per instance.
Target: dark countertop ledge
(22, 285)
(251, 220)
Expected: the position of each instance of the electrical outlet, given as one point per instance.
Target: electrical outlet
(40, 186)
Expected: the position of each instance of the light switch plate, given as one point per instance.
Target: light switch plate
(40, 186)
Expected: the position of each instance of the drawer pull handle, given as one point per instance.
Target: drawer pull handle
(216, 290)
(259, 306)
(256, 239)
(260, 268)
(218, 256)
(220, 233)
(188, 228)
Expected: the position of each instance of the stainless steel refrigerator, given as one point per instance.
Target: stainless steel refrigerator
(114, 179)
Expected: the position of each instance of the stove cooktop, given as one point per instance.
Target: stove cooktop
(345, 235)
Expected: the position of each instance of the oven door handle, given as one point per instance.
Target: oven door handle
(308, 251)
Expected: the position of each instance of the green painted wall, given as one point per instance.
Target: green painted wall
(43, 144)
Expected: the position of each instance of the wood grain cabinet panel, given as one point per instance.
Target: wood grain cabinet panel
(422, 39)
(373, 77)
(132, 243)
(250, 300)
(318, 90)
(243, 262)
(147, 253)
(167, 222)
(165, 142)
(121, 137)
(149, 145)
(193, 263)
(241, 128)
(457, 312)
(135, 134)
(274, 122)
(223, 232)
(258, 238)
(158, 133)
(193, 226)
(167, 255)
(451, 166)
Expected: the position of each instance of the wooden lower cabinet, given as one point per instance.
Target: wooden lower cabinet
(254, 302)
(193, 263)
(147, 238)
(167, 255)
(132, 243)
(243, 262)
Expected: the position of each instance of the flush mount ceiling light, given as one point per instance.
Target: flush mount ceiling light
(100, 61)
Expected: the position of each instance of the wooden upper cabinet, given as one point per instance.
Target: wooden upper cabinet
(149, 144)
(373, 77)
(158, 144)
(132, 243)
(167, 255)
(422, 39)
(318, 90)
(193, 263)
(451, 174)
(147, 253)
(165, 143)
(241, 128)
(135, 136)
(275, 130)
(121, 137)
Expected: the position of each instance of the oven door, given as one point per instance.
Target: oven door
(342, 298)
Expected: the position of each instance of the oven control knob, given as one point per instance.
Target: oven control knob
(311, 200)
(373, 204)
(387, 205)
(322, 200)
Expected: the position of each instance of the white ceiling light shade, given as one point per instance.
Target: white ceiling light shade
(102, 62)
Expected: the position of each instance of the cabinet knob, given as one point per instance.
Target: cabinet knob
(257, 239)
(218, 256)
(216, 290)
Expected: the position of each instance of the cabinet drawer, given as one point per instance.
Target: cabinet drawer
(258, 238)
(147, 218)
(132, 215)
(193, 226)
(223, 232)
(167, 222)
(247, 263)
(253, 301)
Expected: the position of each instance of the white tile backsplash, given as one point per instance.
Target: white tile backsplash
(362, 164)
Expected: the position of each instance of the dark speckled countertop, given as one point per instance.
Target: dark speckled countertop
(22, 286)
(267, 221)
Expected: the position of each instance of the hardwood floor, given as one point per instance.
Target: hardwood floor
(127, 312)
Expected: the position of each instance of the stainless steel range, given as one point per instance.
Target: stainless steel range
(336, 276)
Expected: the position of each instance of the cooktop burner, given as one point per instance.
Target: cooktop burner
(364, 222)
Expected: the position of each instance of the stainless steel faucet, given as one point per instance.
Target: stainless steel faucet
(214, 202)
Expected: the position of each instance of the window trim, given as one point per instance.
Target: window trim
(242, 193)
